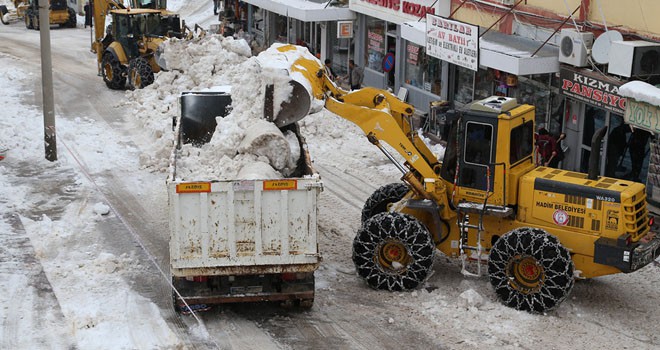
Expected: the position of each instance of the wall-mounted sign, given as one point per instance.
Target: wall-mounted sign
(643, 115)
(399, 11)
(344, 29)
(595, 90)
(452, 41)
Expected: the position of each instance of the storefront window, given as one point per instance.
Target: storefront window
(464, 85)
(375, 43)
(483, 84)
(421, 70)
(535, 90)
(339, 50)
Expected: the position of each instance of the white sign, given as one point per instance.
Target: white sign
(452, 41)
(344, 29)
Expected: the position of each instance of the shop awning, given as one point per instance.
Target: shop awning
(306, 11)
(508, 53)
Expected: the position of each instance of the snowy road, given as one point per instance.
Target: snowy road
(73, 278)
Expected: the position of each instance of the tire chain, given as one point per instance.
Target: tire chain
(390, 193)
(549, 253)
(398, 227)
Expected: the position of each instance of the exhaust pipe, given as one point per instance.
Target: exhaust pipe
(594, 157)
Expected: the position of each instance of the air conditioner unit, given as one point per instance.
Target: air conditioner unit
(575, 47)
(634, 58)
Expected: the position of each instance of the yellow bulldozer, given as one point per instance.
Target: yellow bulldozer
(28, 10)
(60, 13)
(128, 49)
(534, 230)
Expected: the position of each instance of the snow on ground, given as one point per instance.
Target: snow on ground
(96, 301)
(463, 313)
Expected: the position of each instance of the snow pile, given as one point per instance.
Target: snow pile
(641, 91)
(243, 136)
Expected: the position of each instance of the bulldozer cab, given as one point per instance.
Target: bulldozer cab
(149, 4)
(490, 145)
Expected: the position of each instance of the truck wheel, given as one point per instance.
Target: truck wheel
(140, 73)
(72, 22)
(112, 72)
(393, 251)
(382, 198)
(530, 270)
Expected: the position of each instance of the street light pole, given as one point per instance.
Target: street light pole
(47, 82)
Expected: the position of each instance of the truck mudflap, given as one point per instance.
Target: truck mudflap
(625, 256)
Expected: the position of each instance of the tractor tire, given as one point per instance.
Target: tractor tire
(73, 19)
(28, 22)
(140, 73)
(393, 251)
(3, 12)
(112, 71)
(382, 198)
(530, 270)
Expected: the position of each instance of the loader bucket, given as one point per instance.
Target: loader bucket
(290, 111)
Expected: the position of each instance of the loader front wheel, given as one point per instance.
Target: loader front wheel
(382, 198)
(72, 22)
(393, 251)
(112, 72)
(140, 73)
(530, 270)
(3, 12)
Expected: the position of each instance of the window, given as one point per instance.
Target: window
(375, 43)
(522, 142)
(478, 143)
(422, 71)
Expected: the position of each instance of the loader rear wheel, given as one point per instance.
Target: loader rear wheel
(393, 251)
(530, 270)
(140, 73)
(112, 72)
(382, 198)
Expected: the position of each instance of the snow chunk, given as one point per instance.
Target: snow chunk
(471, 298)
(101, 209)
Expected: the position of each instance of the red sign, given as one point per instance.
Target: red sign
(594, 90)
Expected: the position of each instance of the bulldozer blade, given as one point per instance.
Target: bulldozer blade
(294, 109)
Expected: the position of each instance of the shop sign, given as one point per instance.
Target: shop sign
(643, 115)
(375, 41)
(344, 29)
(396, 11)
(413, 54)
(598, 91)
(452, 41)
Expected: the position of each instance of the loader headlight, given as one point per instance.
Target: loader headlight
(159, 56)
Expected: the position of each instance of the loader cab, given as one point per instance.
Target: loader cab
(488, 142)
(131, 26)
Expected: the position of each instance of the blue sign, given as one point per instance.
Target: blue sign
(388, 62)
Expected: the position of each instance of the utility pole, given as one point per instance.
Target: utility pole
(47, 82)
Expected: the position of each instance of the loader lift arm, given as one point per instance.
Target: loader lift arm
(383, 117)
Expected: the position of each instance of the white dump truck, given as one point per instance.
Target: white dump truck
(239, 240)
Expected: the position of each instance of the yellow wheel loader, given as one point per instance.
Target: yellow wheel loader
(127, 51)
(534, 230)
(60, 13)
